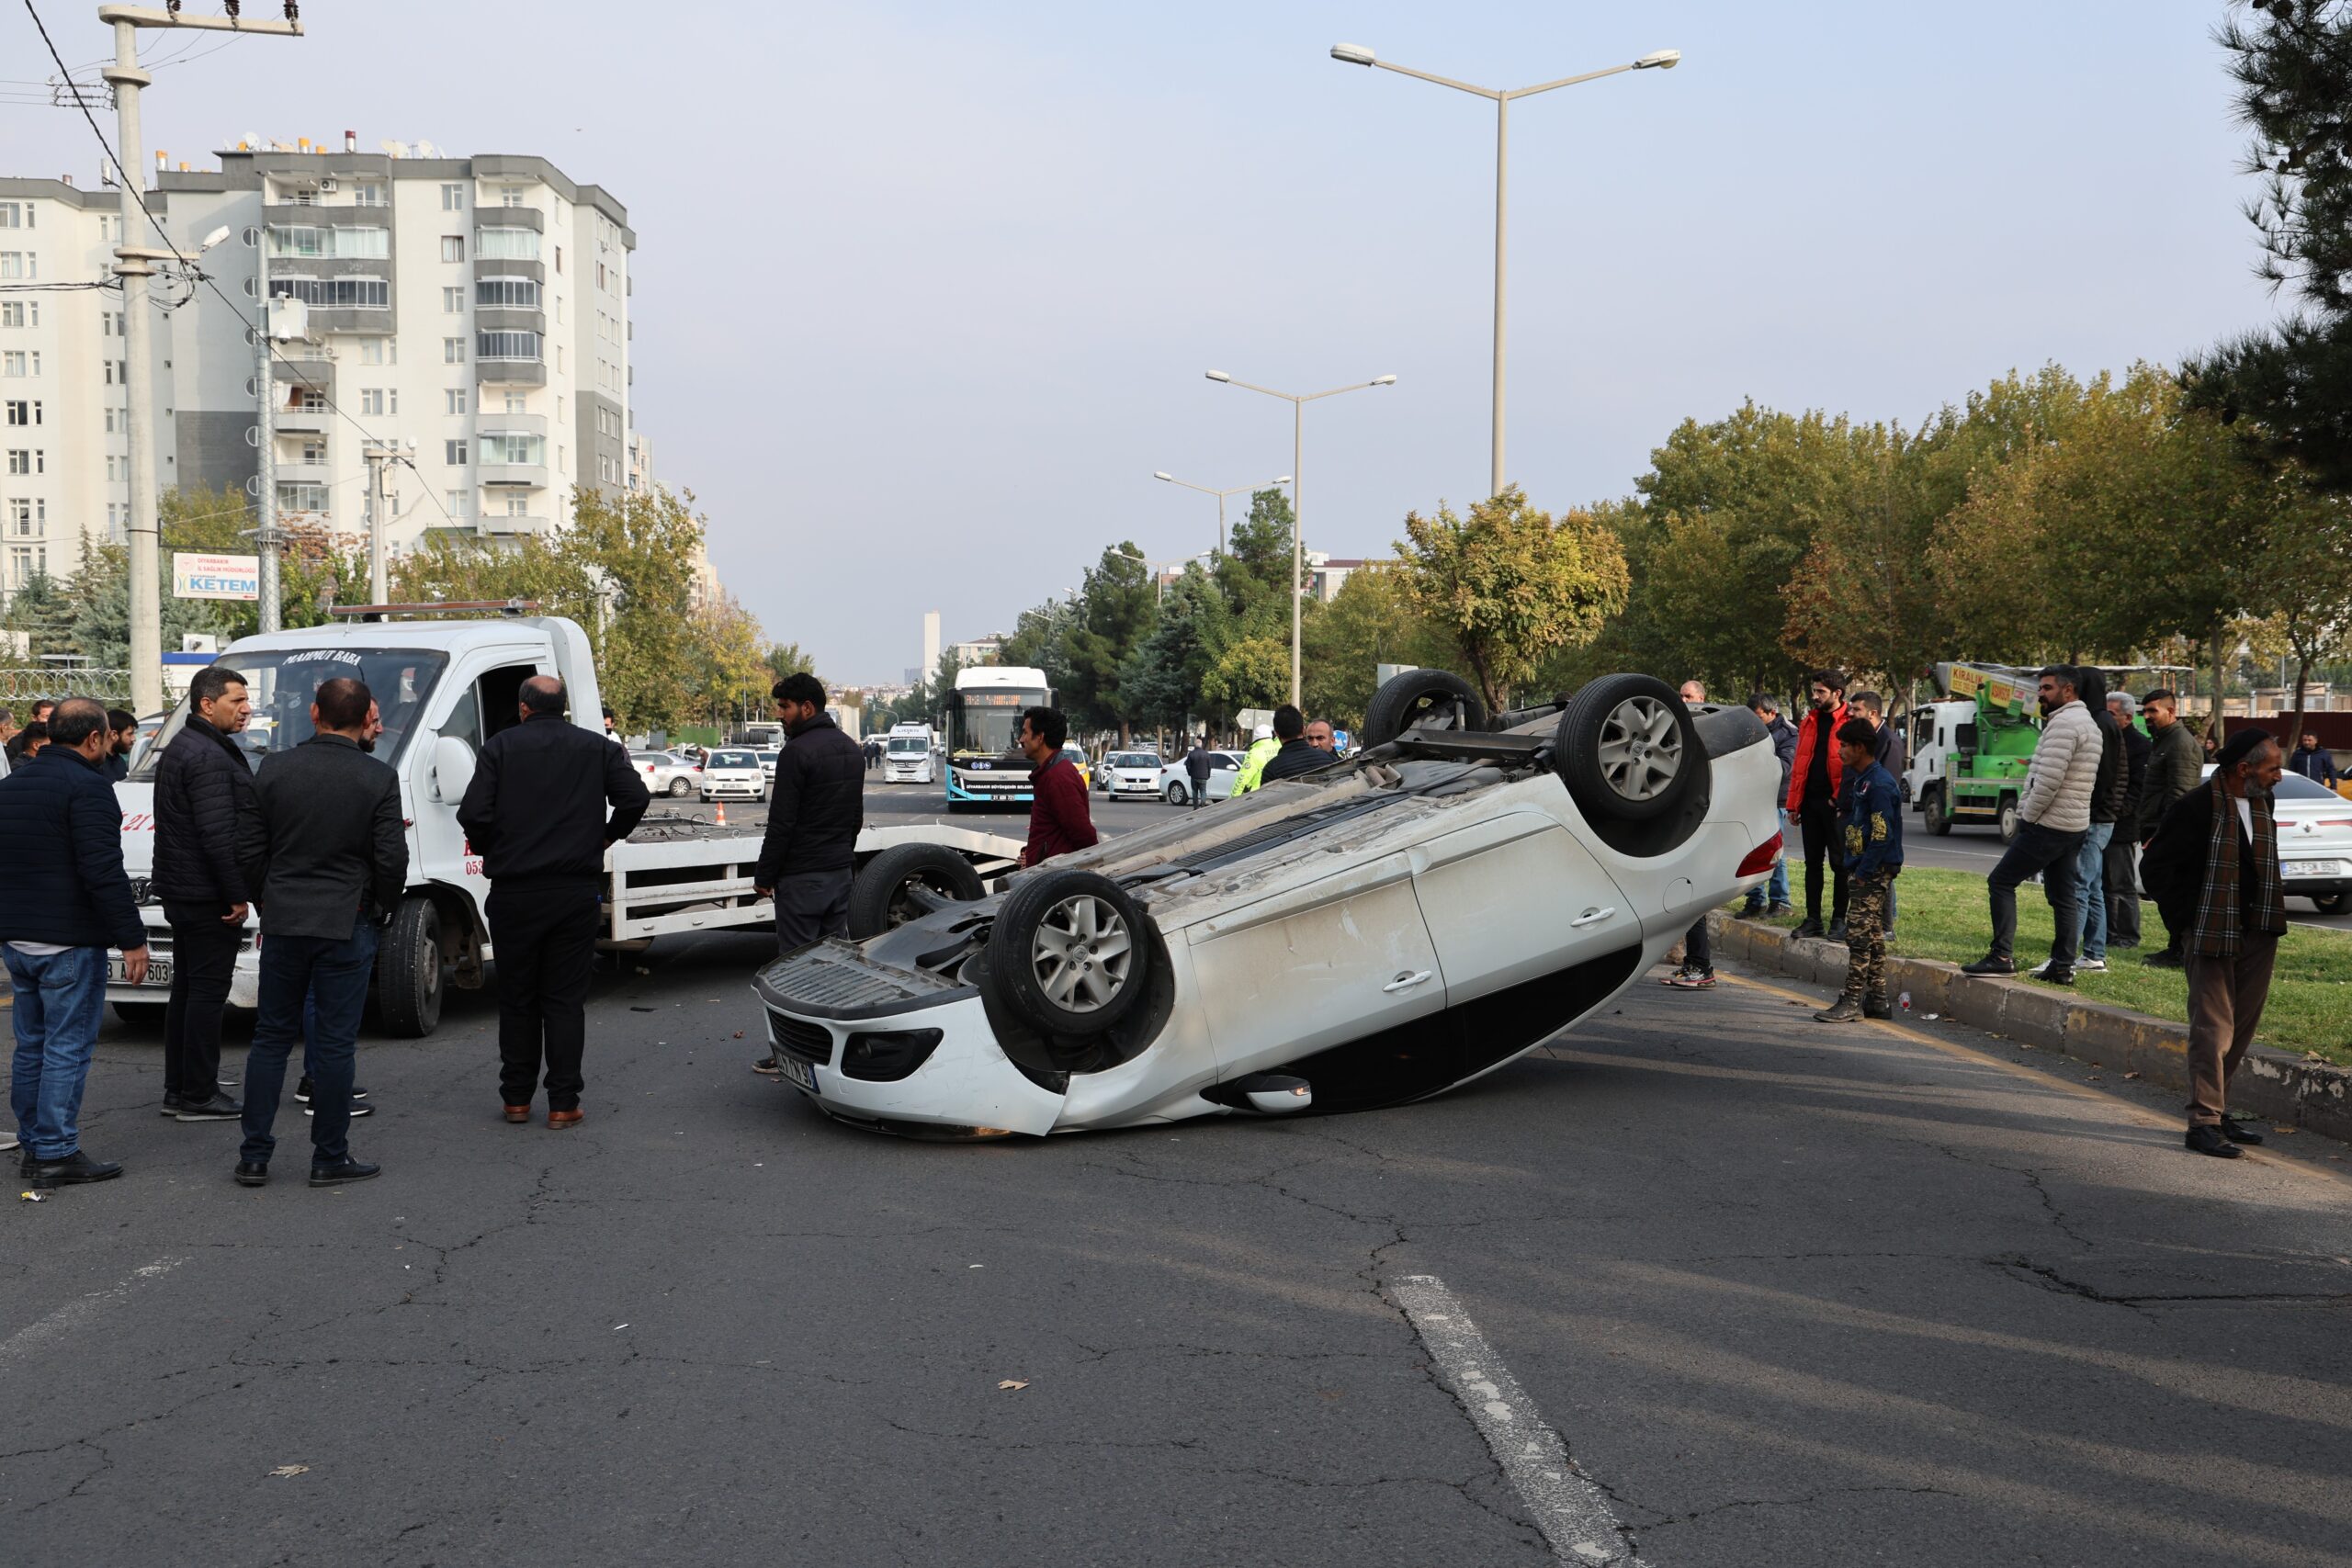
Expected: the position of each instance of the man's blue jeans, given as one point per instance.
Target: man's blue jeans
(335, 975)
(2053, 854)
(1777, 891)
(58, 997)
(2091, 891)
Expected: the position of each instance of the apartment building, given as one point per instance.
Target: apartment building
(467, 316)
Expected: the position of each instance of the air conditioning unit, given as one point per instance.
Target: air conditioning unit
(327, 184)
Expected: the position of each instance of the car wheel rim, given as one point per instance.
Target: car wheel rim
(1081, 953)
(1641, 747)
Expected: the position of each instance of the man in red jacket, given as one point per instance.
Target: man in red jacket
(1814, 779)
(1058, 820)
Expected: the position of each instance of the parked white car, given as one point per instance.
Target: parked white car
(734, 774)
(767, 756)
(668, 772)
(1129, 774)
(2314, 842)
(1224, 772)
(1374, 933)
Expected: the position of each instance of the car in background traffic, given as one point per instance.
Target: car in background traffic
(1224, 770)
(1077, 755)
(734, 774)
(2314, 842)
(668, 772)
(1130, 772)
(767, 756)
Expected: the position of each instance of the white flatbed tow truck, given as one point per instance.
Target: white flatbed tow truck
(445, 686)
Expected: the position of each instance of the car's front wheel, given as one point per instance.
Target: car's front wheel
(1627, 749)
(1067, 954)
(1178, 795)
(2328, 903)
(905, 883)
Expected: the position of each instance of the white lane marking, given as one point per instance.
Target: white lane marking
(70, 1317)
(1572, 1512)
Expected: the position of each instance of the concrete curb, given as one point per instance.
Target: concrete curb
(2272, 1084)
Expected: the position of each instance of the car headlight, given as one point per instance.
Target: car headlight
(886, 1056)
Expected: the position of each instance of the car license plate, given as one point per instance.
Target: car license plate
(797, 1073)
(159, 973)
(2309, 868)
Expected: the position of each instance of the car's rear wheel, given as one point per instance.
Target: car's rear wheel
(2328, 903)
(1627, 749)
(679, 789)
(1436, 699)
(905, 882)
(1069, 954)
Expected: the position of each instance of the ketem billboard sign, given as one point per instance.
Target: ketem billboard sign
(215, 577)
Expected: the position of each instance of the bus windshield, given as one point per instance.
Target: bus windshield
(983, 724)
(281, 683)
(908, 745)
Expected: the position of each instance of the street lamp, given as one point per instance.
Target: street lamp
(1154, 566)
(1356, 54)
(1298, 401)
(1220, 494)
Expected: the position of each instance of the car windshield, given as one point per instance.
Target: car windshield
(1131, 760)
(734, 759)
(281, 683)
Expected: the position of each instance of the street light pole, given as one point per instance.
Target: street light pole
(1298, 401)
(1354, 54)
(134, 264)
(1220, 495)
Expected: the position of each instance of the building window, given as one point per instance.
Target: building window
(507, 293)
(513, 448)
(20, 313)
(19, 264)
(111, 412)
(22, 460)
(27, 518)
(454, 400)
(558, 258)
(369, 195)
(562, 461)
(301, 497)
(453, 302)
(517, 403)
(22, 362)
(453, 350)
(452, 198)
(117, 371)
(111, 475)
(306, 239)
(507, 346)
(24, 412)
(379, 351)
(335, 293)
(372, 400)
(513, 197)
(452, 247)
(315, 451)
(457, 503)
(16, 214)
(454, 454)
(507, 244)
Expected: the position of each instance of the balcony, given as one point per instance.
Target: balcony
(301, 421)
(297, 472)
(513, 372)
(529, 475)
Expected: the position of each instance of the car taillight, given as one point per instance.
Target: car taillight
(1760, 857)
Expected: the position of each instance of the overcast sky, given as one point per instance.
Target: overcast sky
(925, 291)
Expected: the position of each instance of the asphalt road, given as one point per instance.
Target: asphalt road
(1788, 1295)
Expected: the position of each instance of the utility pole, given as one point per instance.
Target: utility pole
(379, 589)
(134, 264)
(265, 536)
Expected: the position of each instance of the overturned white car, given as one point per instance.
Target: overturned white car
(1373, 933)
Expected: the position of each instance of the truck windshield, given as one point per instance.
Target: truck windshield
(282, 681)
(909, 745)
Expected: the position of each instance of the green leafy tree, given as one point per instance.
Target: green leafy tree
(1163, 679)
(1257, 562)
(1113, 617)
(1509, 584)
(1252, 673)
(782, 658)
(1370, 622)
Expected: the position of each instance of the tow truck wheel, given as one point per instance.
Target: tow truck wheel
(1938, 817)
(2009, 818)
(408, 970)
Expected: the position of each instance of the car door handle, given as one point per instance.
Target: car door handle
(1591, 918)
(1407, 980)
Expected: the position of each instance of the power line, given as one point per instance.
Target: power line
(138, 196)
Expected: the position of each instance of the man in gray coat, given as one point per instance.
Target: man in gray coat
(2054, 817)
(2176, 766)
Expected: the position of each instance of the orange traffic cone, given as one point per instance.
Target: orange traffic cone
(722, 814)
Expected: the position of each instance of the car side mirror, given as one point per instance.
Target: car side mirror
(453, 768)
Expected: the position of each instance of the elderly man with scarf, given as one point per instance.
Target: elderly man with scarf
(2214, 867)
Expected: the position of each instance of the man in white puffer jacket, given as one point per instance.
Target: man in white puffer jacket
(2054, 815)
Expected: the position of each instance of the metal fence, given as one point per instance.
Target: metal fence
(59, 683)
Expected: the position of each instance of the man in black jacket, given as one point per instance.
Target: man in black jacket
(1295, 755)
(63, 902)
(204, 802)
(2124, 848)
(536, 814)
(814, 815)
(2176, 764)
(326, 859)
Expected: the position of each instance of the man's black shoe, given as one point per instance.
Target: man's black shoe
(2211, 1140)
(2240, 1132)
(1990, 963)
(2055, 974)
(2167, 959)
(302, 1093)
(219, 1108)
(1877, 1009)
(1837, 930)
(341, 1170)
(1809, 928)
(71, 1172)
(171, 1105)
(358, 1108)
(252, 1173)
(1845, 1009)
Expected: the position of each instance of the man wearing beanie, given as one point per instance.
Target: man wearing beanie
(2214, 867)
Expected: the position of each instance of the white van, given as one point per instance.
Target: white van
(907, 753)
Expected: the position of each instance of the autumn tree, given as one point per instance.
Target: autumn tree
(1509, 584)
(1370, 622)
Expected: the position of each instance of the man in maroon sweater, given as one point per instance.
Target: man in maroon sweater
(1058, 820)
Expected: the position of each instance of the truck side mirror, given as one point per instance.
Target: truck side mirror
(453, 768)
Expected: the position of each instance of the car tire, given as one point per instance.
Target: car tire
(679, 789)
(1051, 918)
(1417, 697)
(409, 970)
(877, 895)
(1627, 749)
(1933, 809)
(1178, 795)
(2328, 903)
